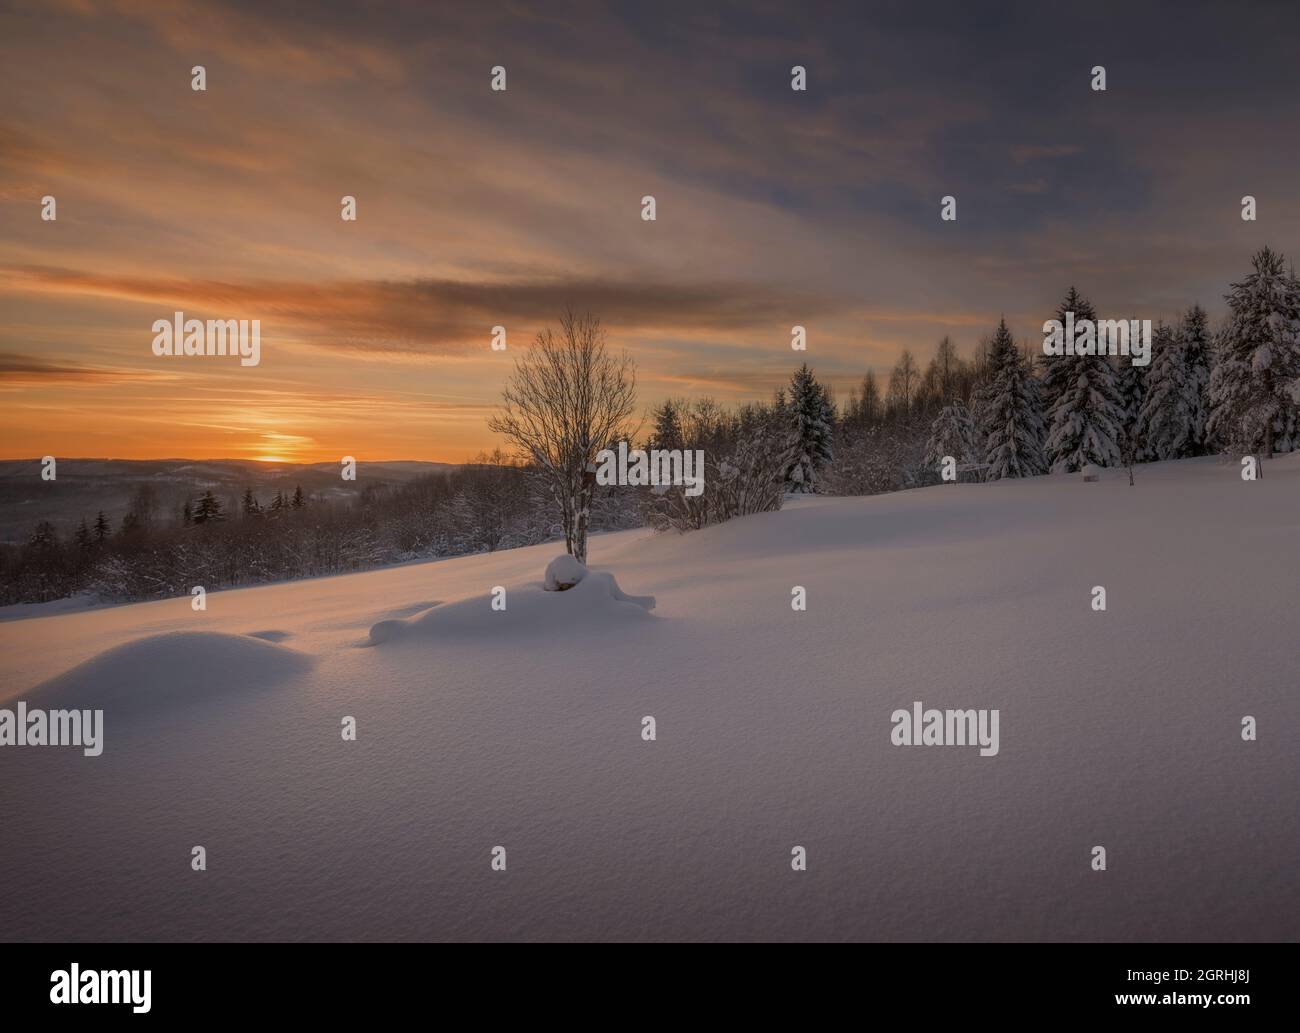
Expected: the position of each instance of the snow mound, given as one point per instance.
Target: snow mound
(1091, 472)
(594, 603)
(170, 668)
(563, 573)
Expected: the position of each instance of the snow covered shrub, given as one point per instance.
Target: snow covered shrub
(749, 477)
(953, 434)
(875, 459)
(746, 456)
(563, 573)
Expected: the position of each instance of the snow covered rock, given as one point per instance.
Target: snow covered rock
(563, 572)
(1091, 472)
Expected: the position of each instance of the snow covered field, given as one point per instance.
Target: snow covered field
(522, 728)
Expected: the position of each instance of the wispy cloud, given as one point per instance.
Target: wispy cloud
(433, 316)
(479, 208)
(20, 370)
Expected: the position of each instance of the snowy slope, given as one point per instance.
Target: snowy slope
(523, 729)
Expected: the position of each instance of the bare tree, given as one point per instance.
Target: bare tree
(567, 399)
(903, 382)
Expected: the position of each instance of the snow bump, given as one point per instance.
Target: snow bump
(174, 667)
(594, 602)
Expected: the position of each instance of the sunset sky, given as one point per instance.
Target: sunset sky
(478, 208)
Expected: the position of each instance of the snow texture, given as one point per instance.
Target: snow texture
(594, 605)
(1118, 728)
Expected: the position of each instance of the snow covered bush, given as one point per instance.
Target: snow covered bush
(563, 573)
(876, 459)
(746, 455)
(953, 434)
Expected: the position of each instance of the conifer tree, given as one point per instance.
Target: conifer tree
(1131, 383)
(1009, 414)
(1166, 421)
(1086, 419)
(813, 421)
(953, 433)
(208, 509)
(1251, 401)
(667, 433)
(1057, 370)
(1194, 336)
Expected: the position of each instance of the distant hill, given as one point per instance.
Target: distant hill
(86, 486)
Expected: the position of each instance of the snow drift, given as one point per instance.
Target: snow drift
(523, 728)
(169, 670)
(595, 603)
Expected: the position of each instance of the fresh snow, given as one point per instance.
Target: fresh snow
(522, 728)
(563, 572)
(593, 602)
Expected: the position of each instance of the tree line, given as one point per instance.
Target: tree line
(1006, 411)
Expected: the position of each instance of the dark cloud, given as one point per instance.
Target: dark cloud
(27, 369)
(433, 316)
